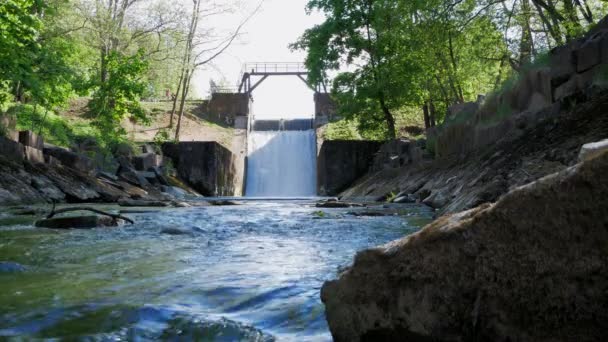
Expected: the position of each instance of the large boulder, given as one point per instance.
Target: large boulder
(31, 139)
(78, 222)
(70, 159)
(11, 149)
(531, 267)
(146, 161)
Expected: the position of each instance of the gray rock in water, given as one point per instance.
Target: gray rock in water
(176, 231)
(531, 267)
(174, 191)
(78, 222)
(405, 199)
(337, 204)
(11, 267)
(123, 202)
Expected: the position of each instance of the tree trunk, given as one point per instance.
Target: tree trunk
(427, 119)
(179, 87)
(388, 117)
(526, 45)
(432, 113)
(185, 88)
(573, 27)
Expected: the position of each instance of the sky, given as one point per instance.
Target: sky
(266, 38)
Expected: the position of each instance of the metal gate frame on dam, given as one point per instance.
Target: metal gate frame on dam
(215, 170)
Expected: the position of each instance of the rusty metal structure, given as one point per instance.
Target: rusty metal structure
(253, 74)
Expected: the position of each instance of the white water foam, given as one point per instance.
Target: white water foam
(281, 164)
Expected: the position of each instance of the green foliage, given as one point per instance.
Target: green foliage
(55, 128)
(162, 136)
(319, 213)
(341, 130)
(118, 97)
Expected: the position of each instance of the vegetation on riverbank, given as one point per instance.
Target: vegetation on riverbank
(114, 53)
(429, 55)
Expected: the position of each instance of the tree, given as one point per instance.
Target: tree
(358, 32)
(118, 97)
(430, 54)
(202, 47)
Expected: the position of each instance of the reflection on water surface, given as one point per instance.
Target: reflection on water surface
(248, 272)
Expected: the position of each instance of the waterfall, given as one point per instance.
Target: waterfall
(281, 164)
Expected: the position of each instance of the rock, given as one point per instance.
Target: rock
(466, 109)
(11, 149)
(409, 198)
(174, 191)
(12, 135)
(160, 177)
(141, 203)
(47, 188)
(588, 55)
(147, 148)
(77, 186)
(11, 267)
(562, 63)
(28, 211)
(176, 231)
(371, 213)
(106, 175)
(222, 203)
(206, 166)
(8, 121)
(78, 222)
(397, 153)
(133, 177)
(51, 161)
(124, 150)
(31, 139)
(567, 89)
(436, 200)
(591, 150)
(180, 204)
(33, 155)
(337, 204)
(531, 267)
(146, 161)
(71, 159)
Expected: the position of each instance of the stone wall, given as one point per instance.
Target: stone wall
(208, 167)
(572, 74)
(395, 154)
(228, 108)
(341, 162)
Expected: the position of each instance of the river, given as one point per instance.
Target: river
(250, 272)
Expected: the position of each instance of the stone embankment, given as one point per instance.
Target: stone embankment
(527, 258)
(482, 151)
(34, 172)
(531, 267)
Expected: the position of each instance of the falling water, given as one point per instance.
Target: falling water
(281, 164)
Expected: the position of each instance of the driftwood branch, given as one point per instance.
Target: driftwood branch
(66, 210)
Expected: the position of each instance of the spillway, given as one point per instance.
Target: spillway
(281, 164)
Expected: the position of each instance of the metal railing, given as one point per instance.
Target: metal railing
(274, 67)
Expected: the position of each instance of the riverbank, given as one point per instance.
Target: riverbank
(457, 183)
(531, 267)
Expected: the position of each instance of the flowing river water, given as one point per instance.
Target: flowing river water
(250, 272)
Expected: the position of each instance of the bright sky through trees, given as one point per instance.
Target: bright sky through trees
(265, 39)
